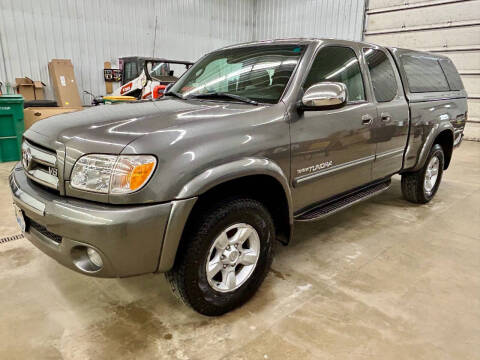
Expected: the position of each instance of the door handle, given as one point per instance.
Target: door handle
(367, 119)
(386, 117)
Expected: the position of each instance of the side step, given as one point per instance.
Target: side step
(330, 207)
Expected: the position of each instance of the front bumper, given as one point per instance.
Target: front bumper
(128, 238)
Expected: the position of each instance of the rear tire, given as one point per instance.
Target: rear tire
(421, 186)
(204, 246)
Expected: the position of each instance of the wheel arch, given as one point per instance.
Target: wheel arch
(258, 178)
(445, 139)
(444, 136)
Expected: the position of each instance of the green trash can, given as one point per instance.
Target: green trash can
(11, 127)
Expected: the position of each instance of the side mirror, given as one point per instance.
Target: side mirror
(324, 95)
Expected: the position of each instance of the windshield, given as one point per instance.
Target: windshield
(259, 73)
(158, 69)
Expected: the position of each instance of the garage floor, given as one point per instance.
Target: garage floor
(385, 279)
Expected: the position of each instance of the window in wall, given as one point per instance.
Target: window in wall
(339, 64)
(382, 75)
(424, 74)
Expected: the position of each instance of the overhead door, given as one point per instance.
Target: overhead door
(448, 27)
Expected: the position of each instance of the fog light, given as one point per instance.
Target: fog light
(94, 257)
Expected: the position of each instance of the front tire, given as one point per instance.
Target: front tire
(421, 186)
(225, 255)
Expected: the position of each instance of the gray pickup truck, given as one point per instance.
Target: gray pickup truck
(252, 138)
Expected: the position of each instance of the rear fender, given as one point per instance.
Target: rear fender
(429, 141)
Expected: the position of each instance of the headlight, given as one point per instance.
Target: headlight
(112, 174)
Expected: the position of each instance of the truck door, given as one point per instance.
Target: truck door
(390, 127)
(331, 149)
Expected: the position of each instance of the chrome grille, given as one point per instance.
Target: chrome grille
(40, 165)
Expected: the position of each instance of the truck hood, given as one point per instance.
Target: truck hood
(109, 128)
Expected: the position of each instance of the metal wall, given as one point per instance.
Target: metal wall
(91, 31)
(449, 27)
(342, 19)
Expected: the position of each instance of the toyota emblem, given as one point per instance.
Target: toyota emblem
(26, 158)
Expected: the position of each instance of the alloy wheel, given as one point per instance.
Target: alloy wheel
(233, 257)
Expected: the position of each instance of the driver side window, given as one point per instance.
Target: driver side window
(339, 64)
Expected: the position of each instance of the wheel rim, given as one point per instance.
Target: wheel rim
(233, 257)
(431, 175)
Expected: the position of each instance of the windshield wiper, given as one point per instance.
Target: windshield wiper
(214, 95)
(176, 94)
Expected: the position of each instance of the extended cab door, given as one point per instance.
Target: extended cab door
(390, 127)
(332, 151)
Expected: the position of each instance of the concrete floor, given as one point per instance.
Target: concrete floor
(385, 279)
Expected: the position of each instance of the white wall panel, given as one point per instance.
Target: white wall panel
(380, 4)
(474, 106)
(471, 83)
(90, 32)
(309, 18)
(465, 60)
(428, 39)
(449, 13)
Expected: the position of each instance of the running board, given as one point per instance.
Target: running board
(331, 207)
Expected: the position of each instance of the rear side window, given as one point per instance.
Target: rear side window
(424, 74)
(340, 64)
(453, 77)
(381, 74)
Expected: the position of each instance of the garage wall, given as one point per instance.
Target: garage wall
(90, 32)
(309, 18)
(448, 27)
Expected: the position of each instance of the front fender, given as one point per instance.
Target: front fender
(188, 195)
(234, 170)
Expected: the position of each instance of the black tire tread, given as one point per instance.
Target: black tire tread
(189, 248)
(412, 182)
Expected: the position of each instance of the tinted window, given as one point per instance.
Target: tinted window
(453, 78)
(381, 74)
(259, 73)
(339, 64)
(424, 74)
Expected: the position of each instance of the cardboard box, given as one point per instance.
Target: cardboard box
(63, 82)
(33, 114)
(30, 89)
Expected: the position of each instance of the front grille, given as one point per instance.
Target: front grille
(43, 230)
(40, 164)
